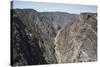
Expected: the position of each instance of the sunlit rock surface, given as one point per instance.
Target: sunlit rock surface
(77, 42)
(52, 37)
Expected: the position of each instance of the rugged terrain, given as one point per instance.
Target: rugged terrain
(52, 37)
(77, 42)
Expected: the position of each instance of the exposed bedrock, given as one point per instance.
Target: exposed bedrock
(52, 37)
(77, 42)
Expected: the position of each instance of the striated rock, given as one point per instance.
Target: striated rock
(52, 37)
(77, 42)
(31, 43)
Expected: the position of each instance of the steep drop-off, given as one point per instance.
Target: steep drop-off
(32, 42)
(52, 37)
(77, 42)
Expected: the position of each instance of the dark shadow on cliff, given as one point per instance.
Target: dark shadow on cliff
(29, 49)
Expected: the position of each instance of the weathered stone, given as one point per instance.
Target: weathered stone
(77, 42)
(52, 37)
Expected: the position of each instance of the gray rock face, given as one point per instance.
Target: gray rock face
(32, 40)
(77, 42)
(52, 37)
(58, 19)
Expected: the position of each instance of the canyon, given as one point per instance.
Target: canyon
(52, 37)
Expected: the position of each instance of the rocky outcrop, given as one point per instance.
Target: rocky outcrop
(52, 37)
(77, 42)
(32, 41)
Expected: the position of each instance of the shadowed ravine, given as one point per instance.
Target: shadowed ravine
(52, 37)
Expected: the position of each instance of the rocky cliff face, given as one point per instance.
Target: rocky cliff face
(77, 42)
(32, 40)
(52, 37)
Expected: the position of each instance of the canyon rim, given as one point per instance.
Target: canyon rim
(47, 36)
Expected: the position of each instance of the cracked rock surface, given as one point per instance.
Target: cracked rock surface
(52, 37)
(77, 42)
